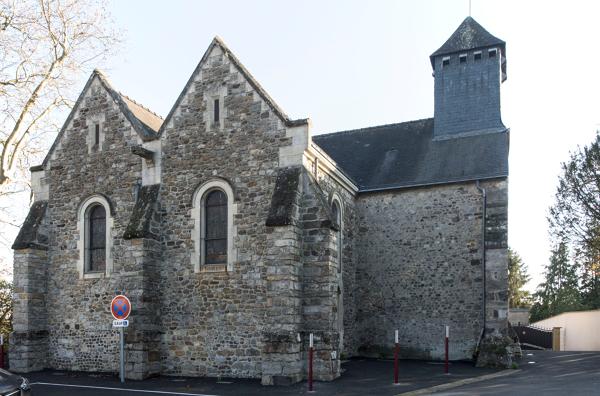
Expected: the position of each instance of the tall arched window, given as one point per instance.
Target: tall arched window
(213, 209)
(94, 223)
(337, 216)
(96, 239)
(215, 227)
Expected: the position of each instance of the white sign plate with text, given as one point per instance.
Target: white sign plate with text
(120, 323)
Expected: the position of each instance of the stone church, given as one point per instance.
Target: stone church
(236, 232)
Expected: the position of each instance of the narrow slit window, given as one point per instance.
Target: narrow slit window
(217, 114)
(97, 135)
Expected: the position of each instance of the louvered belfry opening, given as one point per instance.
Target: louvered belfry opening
(96, 260)
(216, 228)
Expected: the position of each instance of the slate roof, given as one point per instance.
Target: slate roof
(469, 35)
(407, 155)
(139, 225)
(29, 235)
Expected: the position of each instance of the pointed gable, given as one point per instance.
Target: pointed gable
(145, 122)
(218, 42)
(469, 35)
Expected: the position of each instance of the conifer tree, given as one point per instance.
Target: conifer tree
(560, 291)
(518, 297)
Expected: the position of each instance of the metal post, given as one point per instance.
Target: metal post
(447, 336)
(122, 342)
(396, 349)
(310, 363)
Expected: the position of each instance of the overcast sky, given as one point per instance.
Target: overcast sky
(350, 64)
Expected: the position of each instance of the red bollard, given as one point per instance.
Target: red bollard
(310, 364)
(396, 350)
(447, 336)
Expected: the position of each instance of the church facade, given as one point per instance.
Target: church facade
(235, 233)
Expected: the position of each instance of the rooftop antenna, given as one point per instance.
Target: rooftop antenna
(469, 7)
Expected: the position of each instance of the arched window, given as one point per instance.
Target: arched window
(213, 209)
(96, 239)
(336, 210)
(215, 227)
(94, 223)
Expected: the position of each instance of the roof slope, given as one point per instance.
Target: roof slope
(405, 155)
(469, 35)
(145, 122)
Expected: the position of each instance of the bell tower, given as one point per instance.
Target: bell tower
(468, 71)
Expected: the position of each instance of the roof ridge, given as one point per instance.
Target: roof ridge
(107, 81)
(365, 129)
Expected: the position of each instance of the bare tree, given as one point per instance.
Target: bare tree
(45, 45)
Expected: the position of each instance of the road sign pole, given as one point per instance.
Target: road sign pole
(120, 307)
(122, 357)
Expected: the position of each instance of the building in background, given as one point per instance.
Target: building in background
(579, 331)
(235, 233)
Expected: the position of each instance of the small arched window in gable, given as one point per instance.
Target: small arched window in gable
(215, 227)
(96, 239)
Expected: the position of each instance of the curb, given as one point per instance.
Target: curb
(456, 384)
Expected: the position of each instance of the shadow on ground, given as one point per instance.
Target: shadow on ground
(360, 377)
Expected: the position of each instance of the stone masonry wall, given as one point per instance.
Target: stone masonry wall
(320, 282)
(330, 186)
(420, 268)
(213, 320)
(29, 339)
(496, 253)
(81, 336)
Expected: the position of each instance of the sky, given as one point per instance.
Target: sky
(351, 64)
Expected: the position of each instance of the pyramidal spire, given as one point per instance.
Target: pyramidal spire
(469, 35)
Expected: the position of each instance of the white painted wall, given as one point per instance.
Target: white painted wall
(580, 331)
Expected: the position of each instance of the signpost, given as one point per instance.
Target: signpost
(120, 307)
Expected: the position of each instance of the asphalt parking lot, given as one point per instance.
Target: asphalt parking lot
(360, 377)
(543, 373)
(539, 373)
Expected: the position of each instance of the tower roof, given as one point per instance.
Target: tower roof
(469, 35)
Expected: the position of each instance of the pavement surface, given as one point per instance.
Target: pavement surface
(360, 377)
(539, 373)
(543, 373)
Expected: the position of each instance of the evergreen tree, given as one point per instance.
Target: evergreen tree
(560, 291)
(575, 216)
(517, 278)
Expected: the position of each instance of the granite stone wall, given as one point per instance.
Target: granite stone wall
(331, 187)
(420, 268)
(213, 320)
(29, 339)
(79, 323)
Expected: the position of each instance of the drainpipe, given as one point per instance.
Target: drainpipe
(483, 224)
